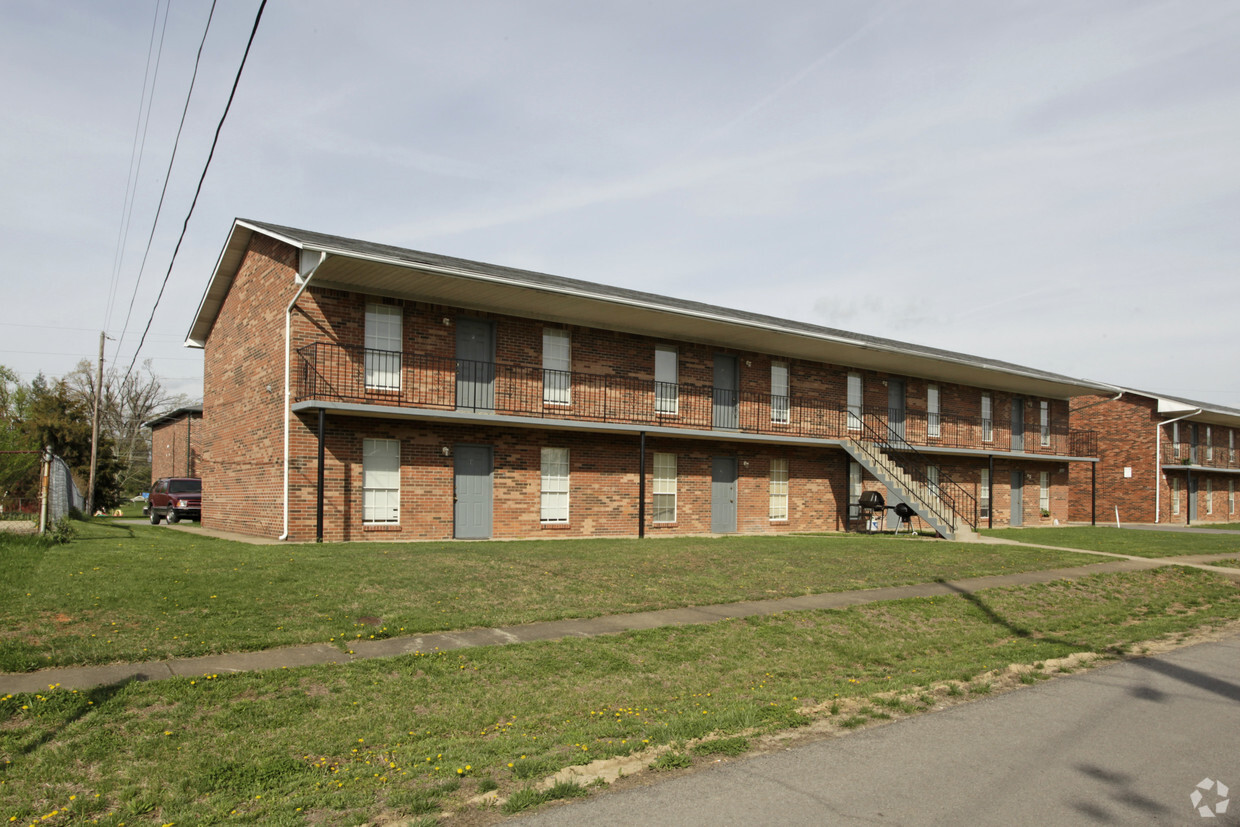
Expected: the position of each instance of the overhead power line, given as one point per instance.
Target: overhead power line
(167, 176)
(185, 226)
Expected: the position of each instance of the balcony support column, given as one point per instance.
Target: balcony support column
(641, 487)
(318, 494)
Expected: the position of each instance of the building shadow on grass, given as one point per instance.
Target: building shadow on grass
(93, 702)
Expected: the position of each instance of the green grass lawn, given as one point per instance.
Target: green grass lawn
(130, 593)
(1136, 542)
(403, 739)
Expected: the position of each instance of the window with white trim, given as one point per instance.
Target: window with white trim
(666, 377)
(983, 494)
(557, 367)
(383, 347)
(988, 418)
(1175, 495)
(1209, 445)
(933, 427)
(779, 393)
(1044, 491)
(932, 479)
(1209, 496)
(1044, 422)
(854, 490)
(380, 481)
(554, 504)
(779, 488)
(1231, 496)
(664, 488)
(854, 402)
(1175, 440)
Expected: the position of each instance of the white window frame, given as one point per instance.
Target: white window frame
(983, 494)
(932, 480)
(1175, 441)
(666, 380)
(557, 362)
(381, 481)
(988, 418)
(1044, 422)
(854, 396)
(780, 409)
(1209, 444)
(1175, 495)
(383, 345)
(779, 489)
(1209, 496)
(1044, 491)
(1231, 496)
(854, 490)
(664, 488)
(553, 495)
(933, 413)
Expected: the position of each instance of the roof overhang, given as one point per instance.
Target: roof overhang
(173, 416)
(479, 287)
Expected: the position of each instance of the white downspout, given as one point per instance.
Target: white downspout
(1158, 462)
(288, 358)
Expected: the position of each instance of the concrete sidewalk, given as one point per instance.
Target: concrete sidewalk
(85, 677)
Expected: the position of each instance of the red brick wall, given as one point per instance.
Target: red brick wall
(243, 390)
(176, 447)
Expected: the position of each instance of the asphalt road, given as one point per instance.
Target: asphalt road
(1126, 743)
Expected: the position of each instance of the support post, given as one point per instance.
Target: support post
(641, 489)
(318, 506)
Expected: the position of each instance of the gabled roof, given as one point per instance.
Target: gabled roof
(381, 269)
(1174, 406)
(173, 416)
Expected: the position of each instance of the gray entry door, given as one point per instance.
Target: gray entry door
(1017, 515)
(1018, 423)
(895, 408)
(723, 495)
(727, 384)
(472, 492)
(475, 364)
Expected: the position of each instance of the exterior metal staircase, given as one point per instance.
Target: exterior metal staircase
(944, 504)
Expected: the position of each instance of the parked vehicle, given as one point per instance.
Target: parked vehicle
(175, 498)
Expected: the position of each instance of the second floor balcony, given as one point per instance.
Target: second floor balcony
(1205, 457)
(328, 372)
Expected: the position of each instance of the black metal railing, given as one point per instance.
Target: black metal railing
(352, 374)
(1202, 456)
(957, 501)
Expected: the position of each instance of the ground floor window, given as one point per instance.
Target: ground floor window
(380, 481)
(1209, 496)
(664, 488)
(1231, 496)
(554, 485)
(983, 495)
(932, 479)
(1175, 495)
(779, 489)
(854, 490)
(1044, 493)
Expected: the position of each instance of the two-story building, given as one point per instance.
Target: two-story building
(175, 438)
(355, 390)
(1162, 459)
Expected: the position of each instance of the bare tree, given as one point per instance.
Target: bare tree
(126, 403)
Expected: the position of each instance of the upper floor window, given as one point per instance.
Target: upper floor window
(779, 393)
(557, 367)
(1209, 445)
(383, 345)
(1044, 422)
(932, 411)
(666, 379)
(854, 402)
(988, 418)
(1175, 440)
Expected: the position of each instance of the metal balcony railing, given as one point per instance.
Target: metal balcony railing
(1202, 456)
(331, 372)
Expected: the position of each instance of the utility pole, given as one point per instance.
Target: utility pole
(94, 432)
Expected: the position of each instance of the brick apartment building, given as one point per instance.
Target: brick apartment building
(1161, 460)
(360, 391)
(175, 442)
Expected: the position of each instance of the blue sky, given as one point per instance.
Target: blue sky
(1055, 184)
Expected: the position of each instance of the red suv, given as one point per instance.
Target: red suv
(176, 498)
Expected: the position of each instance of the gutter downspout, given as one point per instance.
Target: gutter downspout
(1158, 462)
(288, 358)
